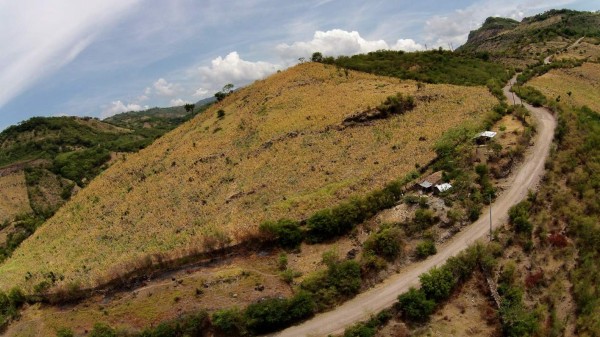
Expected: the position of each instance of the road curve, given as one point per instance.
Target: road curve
(384, 295)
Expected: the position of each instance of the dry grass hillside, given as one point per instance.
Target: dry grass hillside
(278, 150)
(583, 84)
(14, 199)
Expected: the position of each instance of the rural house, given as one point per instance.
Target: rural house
(426, 185)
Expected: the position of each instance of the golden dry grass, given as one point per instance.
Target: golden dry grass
(276, 153)
(14, 198)
(583, 83)
(588, 50)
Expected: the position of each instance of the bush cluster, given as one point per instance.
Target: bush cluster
(437, 285)
(10, 304)
(519, 217)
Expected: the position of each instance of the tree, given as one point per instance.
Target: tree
(415, 306)
(317, 57)
(226, 91)
(189, 107)
(438, 283)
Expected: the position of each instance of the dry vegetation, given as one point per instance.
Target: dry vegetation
(14, 199)
(583, 84)
(588, 49)
(278, 151)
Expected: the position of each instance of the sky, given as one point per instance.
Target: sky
(102, 57)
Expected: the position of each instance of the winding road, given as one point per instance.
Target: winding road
(384, 295)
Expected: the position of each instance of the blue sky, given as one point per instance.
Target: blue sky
(101, 57)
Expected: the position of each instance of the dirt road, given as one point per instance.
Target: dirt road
(384, 295)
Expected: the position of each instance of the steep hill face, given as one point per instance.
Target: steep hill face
(278, 148)
(521, 43)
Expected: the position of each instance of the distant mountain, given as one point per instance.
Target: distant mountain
(158, 118)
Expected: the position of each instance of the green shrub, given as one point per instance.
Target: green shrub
(425, 249)
(287, 232)
(398, 104)
(437, 284)
(387, 243)
(519, 217)
(102, 330)
(229, 321)
(16, 297)
(415, 306)
(424, 218)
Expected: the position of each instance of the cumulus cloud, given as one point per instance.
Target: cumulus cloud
(178, 102)
(200, 92)
(61, 30)
(118, 107)
(453, 28)
(407, 45)
(233, 69)
(164, 88)
(340, 42)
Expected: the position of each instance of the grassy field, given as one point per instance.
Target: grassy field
(278, 150)
(582, 82)
(14, 199)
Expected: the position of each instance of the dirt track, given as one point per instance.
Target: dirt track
(384, 295)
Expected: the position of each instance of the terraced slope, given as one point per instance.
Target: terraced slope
(277, 148)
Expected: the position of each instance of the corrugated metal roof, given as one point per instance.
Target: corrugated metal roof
(443, 187)
(488, 134)
(425, 184)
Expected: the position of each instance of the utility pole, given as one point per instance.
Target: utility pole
(490, 217)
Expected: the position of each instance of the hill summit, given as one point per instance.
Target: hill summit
(282, 147)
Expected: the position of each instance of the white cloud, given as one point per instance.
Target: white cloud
(164, 88)
(178, 102)
(200, 92)
(453, 28)
(61, 30)
(117, 107)
(233, 69)
(340, 42)
(407, 45)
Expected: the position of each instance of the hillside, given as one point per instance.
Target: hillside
(526, 42)
(45, 160)
(278, 148)
(435, 66)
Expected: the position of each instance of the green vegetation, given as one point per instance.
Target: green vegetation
(395, 105)
(369, 328)
(10, 304)
(330, 223)
(24, 226)
(540, 69)
(425, 249)
(287, 232)
(436, 66)
(437, 285)
(386, 243)
(519, 217)
(517, 320)
(415, 306)
(524, 43)
(74, 150)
